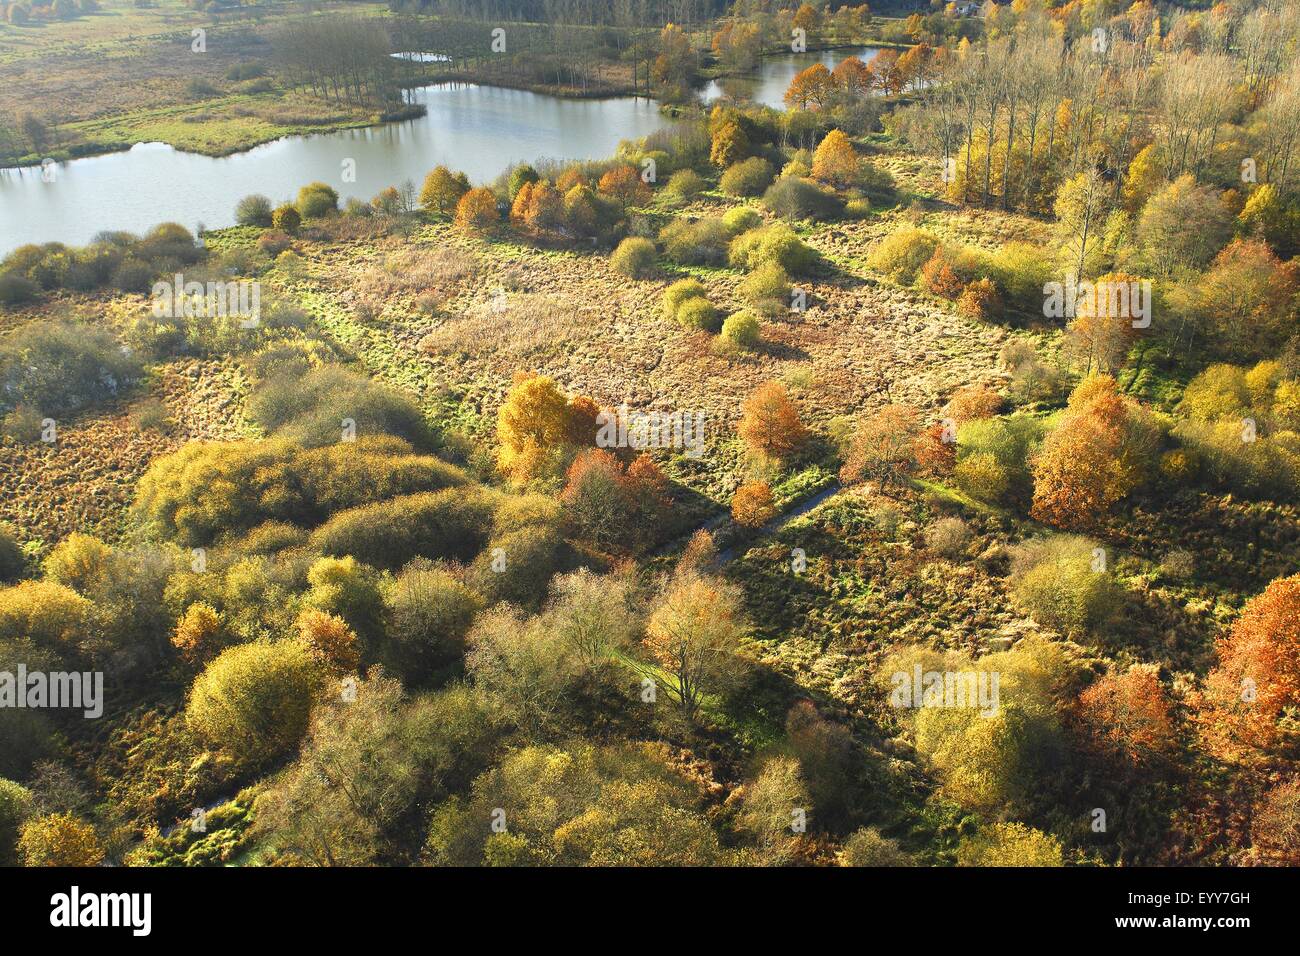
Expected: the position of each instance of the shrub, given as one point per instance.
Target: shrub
(316, 409)
(634, 257)
(254, 210)
(699, 313)
(979, 300)
(1009, 844)
(16, 289)
(286, 219)
(767, 288)
(741, 219)
(748, 177)
(59, 839)
(776, 243)
(866, 847)
(428, 614)
(684, 185)
(316, 200)
(12, 562)
(387, 534)
(974, 402)
(791, 197)
(993, 457)
(949, 537)
(752, 505)
(517, 567)
(60, 367)
(741, 329)
(15, 804)
(902, 253)
(331, 641)
(699, 243)
(678, 294)
(1063, 582)
(254, 700)
(274, 242)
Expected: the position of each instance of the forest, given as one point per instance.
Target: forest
(906, 475)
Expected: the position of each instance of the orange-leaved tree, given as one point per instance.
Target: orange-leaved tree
(1257, 678)
(770, 425)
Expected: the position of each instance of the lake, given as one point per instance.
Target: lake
(481, 130)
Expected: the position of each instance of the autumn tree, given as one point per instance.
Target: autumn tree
(1097, 454)
(1128, 713)
(810, 89)
(883, 447)
(1247, 300)
(885, 75)
(476, 211)
(624, 183)
(729, 144)
(692, 636)
(1102, 332)
(331, 640)
(538, 427)
(1257, 677)
(770, 425)
(852, 77)
(836, 161)
(752, 505)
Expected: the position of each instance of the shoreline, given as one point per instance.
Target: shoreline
(91, 150)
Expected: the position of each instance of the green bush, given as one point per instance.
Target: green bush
(15, 804)
(678, 293)
(634, 257)
(12, 562)
(316, 200)
(1064, 584)
(208, 489)
(993, 457)
(254, 210)
(684, 185)
(254, 700)
(428, 612)
(517, 567)
(699, 313)
(452, 523)
(741, 219)
(902, 253)
(791, 197)
(699, 243)
(749, 177)
(767, 288)
(329, 404)
(776, 243)
(59, 367)
(741, 329)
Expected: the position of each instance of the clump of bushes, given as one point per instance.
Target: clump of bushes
(741, 329)
(776, 243)
(699, 243)
(901, 255)
(634, 258)
(332, 404)
(1065, 583)
(58, 367)
(749, 177)
(254, 210)
(795, 198)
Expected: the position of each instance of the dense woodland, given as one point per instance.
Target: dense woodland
(995, 341)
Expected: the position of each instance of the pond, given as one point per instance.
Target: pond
(481, 130)
(774, 75)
